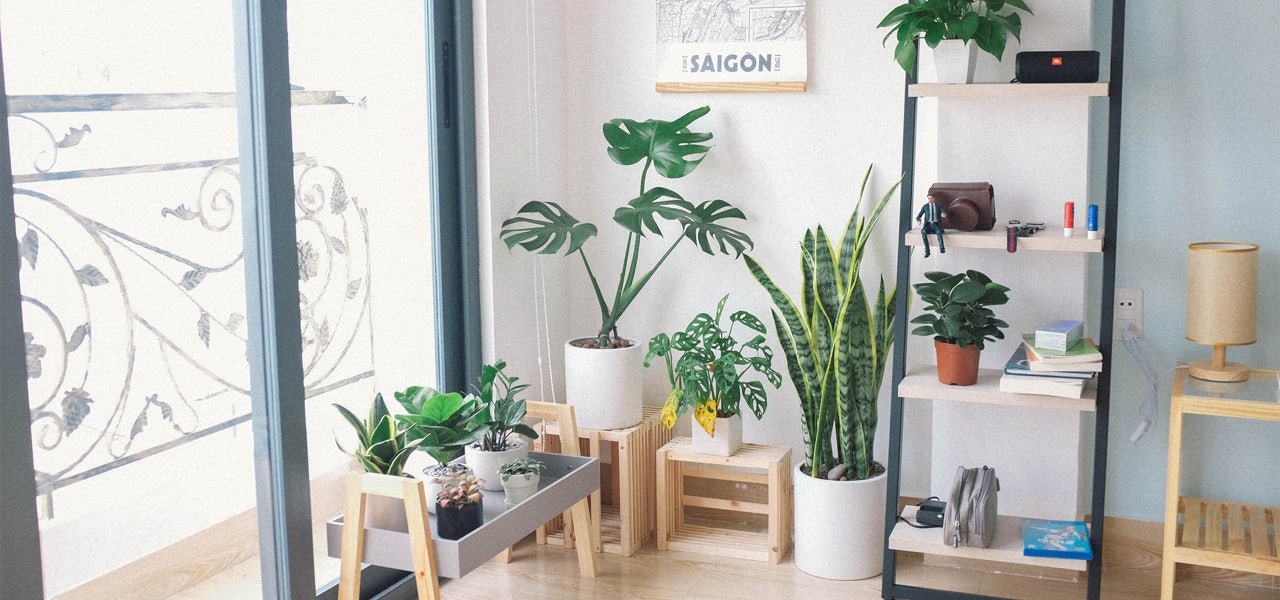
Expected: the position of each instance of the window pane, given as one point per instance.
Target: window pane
(123, 136)
(364, 244)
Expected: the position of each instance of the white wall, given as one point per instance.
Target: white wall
(789, 161)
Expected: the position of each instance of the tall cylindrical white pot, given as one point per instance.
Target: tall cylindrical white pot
(604, 386)
(839, 526)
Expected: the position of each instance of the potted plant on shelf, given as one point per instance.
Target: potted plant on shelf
(501, 415)
(382, 447)
(836, 344)
(708, 377)
(520, 479)
(961, 323)
(948, 26)
(459, 508)
(602, 372)
(442, 425)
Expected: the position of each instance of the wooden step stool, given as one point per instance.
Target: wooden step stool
(677, 460)
(625, 520)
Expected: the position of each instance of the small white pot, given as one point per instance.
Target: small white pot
(383, 512)
(604, 386)
(954, 60)
(726, 441)
(520, 487)
(432, 488)
(486, 464)
(839, 526)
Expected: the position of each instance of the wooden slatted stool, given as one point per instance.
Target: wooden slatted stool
(677, 460)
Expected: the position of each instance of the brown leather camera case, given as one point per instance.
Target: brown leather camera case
(968, 206)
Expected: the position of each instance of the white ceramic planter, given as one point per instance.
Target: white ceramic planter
(839, 526)
(486, 464)
(382, 512)
(520, 487)
(726, 441)
(604, 386)
(954, 60)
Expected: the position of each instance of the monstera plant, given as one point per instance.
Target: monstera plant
(673, 151)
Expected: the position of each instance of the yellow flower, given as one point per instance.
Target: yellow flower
(705, 415)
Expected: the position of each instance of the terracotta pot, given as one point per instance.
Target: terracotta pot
(956, 365)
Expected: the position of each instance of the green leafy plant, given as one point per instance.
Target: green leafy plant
(670, 148)
(522, 466)
(383, 446)
(958, 304)
(708, 377)
(442, 424)
(935, 20)
(501, 412)
(836, 344)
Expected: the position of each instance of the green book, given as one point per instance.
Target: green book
(1083, 351)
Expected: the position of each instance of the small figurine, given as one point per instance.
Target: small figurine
(930, 220)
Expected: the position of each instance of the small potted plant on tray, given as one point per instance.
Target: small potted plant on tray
(948, 26)
(383, 446)
(708, 377)
(459, 507)
(442, 425)
(960, 322)
(520, 479)
(501, 415)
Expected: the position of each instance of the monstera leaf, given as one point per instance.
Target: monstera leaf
(702, 226)
(547, 231)
(674, 150)
(658, 203)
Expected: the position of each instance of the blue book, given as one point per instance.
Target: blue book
(1056, 539)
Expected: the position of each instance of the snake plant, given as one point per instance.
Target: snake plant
(383, 445)
(836, 343)
(670, 148)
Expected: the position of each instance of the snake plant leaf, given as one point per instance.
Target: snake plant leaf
(827, 285)
(674, 150)
(643, 212)
(547, 230)
(703, 226)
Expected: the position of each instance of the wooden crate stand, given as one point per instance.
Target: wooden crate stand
(626, 519)
(677, 460)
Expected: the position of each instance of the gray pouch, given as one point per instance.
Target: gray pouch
(970, 516)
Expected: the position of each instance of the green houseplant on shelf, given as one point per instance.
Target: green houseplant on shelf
(836, 342)
(602, 371)
(520, 479)
(501, 415)
(709, 377)
(442, 425)
(382, 447)
(948, 26)
(959, 320)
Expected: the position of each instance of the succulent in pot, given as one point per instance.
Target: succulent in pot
(958, 318)
(459, 507)
(520, 479)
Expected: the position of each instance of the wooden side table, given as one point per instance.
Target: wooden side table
(677, 459)
(1216, 533)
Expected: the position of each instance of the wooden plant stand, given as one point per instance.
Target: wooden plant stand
(627, 522)
(677, 460)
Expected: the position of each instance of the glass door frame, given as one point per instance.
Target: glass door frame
(266, 163)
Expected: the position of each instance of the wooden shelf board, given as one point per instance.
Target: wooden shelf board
(1050, 239)
(995, 90)
(1006, 547)
(922, 382)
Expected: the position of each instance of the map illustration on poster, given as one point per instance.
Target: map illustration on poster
(731, 45)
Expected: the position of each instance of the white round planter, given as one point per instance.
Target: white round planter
(954, 60)
(839, 526)
(726, 441)
(519, 487)
(486, 464)
(604, 386)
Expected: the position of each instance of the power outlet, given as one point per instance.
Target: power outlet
(1128, 307)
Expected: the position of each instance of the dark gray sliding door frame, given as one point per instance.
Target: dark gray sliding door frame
(20, 574)
(271, 289)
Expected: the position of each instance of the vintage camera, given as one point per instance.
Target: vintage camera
(969, 206)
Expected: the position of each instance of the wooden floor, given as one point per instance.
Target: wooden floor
(552, 572)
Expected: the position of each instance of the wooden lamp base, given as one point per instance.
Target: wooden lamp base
(1218, 369)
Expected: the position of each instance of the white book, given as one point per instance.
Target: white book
(1045, 386)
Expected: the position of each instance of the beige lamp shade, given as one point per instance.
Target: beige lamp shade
(1222, 299)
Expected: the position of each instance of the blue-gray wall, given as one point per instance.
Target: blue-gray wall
(1200, 161)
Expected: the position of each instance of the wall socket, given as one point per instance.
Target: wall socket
(1128, 307)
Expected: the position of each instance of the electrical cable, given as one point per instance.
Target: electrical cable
(1149, 409)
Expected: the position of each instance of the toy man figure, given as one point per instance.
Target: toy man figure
(930, 220)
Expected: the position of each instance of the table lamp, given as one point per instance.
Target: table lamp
(1222, 304)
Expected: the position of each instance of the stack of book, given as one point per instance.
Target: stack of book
(1062, 373)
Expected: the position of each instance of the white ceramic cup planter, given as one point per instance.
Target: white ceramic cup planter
(839, 530)
(486, 464)
(519, 487)
(954, 60)
(726, 441)
(604, 386)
